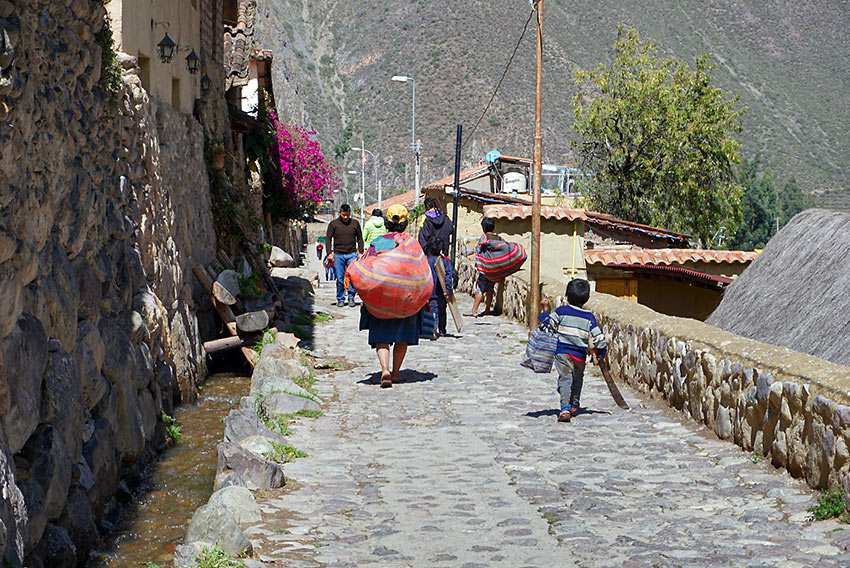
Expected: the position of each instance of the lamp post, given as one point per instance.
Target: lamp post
(375, 167)
(415, 145)
(362, 191)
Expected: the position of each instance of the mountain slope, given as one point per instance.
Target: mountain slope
(334, 60)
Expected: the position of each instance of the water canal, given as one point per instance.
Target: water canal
(177, 484)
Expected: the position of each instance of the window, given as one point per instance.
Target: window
(230, 12)
(145, 72)
(175, 93)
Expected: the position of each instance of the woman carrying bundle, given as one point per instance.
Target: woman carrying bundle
(396, 331)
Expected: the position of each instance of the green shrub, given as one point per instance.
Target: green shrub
(269, 337)
(284, 454)
(248, 286)
(110, 69)
(830, 505)
(172, 429)
(216, 558)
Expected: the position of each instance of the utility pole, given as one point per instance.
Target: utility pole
(537, 173)
(362, 185)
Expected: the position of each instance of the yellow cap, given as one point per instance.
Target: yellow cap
(397, 214)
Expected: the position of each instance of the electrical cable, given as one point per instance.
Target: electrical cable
(499, 84)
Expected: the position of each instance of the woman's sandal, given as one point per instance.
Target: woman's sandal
(386, 382)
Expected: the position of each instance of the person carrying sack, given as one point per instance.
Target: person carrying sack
(394, 282)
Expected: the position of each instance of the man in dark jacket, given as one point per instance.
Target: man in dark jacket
(344, 240)
(436, 224)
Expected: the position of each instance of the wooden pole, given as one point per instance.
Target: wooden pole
(537, 172)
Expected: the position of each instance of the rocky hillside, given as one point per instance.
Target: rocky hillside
(334, 60)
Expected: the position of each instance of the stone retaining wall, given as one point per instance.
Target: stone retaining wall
(103, 211)
(789, 407)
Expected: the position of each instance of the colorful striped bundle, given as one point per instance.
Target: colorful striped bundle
(497, 259)
(395, 283)
(540, 351)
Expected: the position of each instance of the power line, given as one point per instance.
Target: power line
(496, 90)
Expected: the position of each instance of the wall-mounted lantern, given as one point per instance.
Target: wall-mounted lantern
(166, 47)
(193, 62)
(206, 84)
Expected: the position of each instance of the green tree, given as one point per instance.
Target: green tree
(659, 139)
(764, 209)
(758, 207)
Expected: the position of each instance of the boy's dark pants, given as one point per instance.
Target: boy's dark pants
(570, 379)
(438, 304)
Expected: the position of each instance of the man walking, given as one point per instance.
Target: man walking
(344, 240)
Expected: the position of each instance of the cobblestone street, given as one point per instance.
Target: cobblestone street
(463, 464)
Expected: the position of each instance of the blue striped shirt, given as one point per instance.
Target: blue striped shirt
(574, 328)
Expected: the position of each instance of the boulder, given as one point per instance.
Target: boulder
(239, 501)
(227, 479)
(185, 554)
(218, 525)
(23, 355)
(11, 297)
(295, 277)
(45, 459)
(257, 445)
(244, 422)
(286, 403)
(280, 258)
(90, 289)
(229, 279)
(120, 366)
(13, 514)
(252, 322)
(62, 295)
(56, 550)
(129, 422)
(257, 472)
(90, 353)
(78, 520)
(62, 400)
(99, 455)
(36, 517)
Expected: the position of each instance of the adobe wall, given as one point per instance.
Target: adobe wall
(103, 211)
(790, 407)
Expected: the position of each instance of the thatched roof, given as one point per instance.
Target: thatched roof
(795, 294)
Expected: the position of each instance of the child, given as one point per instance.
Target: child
(484, 287)
(574, 327)
(330, 273)
(319, 248)
(439, 297)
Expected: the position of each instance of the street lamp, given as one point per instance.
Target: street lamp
(362, 191)
(375, 160)
(415, 145)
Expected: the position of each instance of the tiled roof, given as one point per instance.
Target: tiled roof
(407, 199)
(655, 257)
(676, 272)
(465, 175)
(606, 220)
(524, 212)
(239, 45)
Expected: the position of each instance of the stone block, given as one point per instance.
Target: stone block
(244, 422)
(257, 472)
(45, 459)
(120, 365)
(78, 521)
(90, 353)
(14, 514)
(99, 454)
(218, 525)
(62, 400)
(239, 501)
(11, 298)
(23, 356)
(56, 550)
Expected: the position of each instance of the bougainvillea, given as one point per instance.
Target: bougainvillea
(302, 179)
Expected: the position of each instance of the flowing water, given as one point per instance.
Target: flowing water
(180, 482)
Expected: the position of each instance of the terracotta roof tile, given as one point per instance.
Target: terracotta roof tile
(656, 257)
(524, 212)
(239, 45)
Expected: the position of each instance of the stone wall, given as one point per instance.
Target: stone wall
(103, 211)
(790, 407)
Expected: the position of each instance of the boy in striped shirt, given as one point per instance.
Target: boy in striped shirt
(574, 327)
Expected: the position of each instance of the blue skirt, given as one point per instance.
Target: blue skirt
(400, 330)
